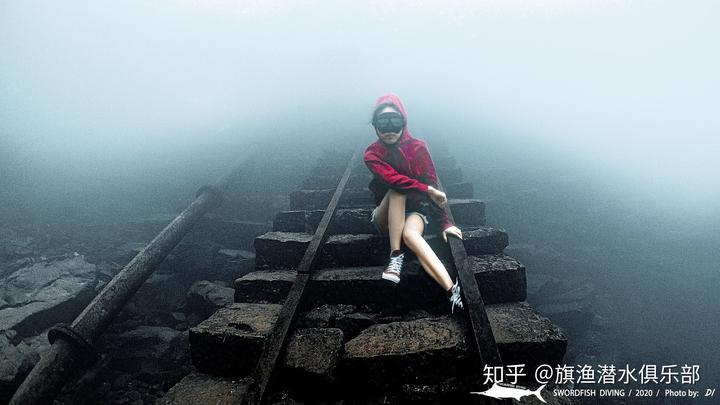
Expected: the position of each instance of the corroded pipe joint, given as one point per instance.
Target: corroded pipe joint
(84, 351)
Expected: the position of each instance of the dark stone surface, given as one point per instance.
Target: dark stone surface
(424, 350)
(432, 349)
(135, 366)
(500, 278)
(36, 297)
(284, 250)
(280, 249)
(325, 182)
(311, 360)
(205, 297)
(229, 343)
(201, 389)
(354, 250)
(319, 199)
(16, 361)
(466, 212)
(347, 318)
(351, 198)
(152, 352)
(292, 221)
(484, 240)
(364, 285)
(229, 264)
(446, 166)
(524, 336)
(345, 221)
(264, 286)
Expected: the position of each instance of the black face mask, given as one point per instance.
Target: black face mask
(389, 122)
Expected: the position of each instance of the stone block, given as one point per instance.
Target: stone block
(500, 278)
(312, 358)
(466, 212)
(230, 342)
(201, 389)
(429, 350)
(264, 286)
(284, 250)
(484, 240)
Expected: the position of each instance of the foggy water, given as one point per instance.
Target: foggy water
(589, 128)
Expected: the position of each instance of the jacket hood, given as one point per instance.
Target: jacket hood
(395, 99)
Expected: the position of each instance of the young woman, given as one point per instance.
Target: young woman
(406, 193)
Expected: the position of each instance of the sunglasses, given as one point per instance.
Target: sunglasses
(389, 122)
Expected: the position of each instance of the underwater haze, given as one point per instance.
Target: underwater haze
(590, 128)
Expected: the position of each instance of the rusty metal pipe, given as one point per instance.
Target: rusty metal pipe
(71, 346)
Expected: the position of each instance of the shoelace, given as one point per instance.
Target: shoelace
(396, 263)
(455, 299)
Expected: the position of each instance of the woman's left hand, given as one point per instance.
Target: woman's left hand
(453, 230)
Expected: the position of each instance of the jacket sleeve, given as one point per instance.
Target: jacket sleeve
(431, 176)
(385, 172)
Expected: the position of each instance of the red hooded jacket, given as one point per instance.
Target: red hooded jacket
(405, 166)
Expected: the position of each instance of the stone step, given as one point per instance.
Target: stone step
(446, 170)
(337, 169)
(325, 182)
(229, 233)
(319, 199)
(501, 278)
(311, 362)
(465, 189)
(201, 389)
(229, 343)
(231, 340)
(308, 199)
(360, 179)
(381, 356)
(431, 349)
(467, 212)
(284, 250)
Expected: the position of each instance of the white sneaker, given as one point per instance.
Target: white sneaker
(455, 299)
(392, 271)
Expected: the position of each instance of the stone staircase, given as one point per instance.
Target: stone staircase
(358, 338)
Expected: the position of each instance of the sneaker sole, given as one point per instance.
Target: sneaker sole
(390, 277)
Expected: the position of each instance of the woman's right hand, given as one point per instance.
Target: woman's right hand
(437, 196)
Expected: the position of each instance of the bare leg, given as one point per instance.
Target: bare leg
(381, 214)
(396, 219)
(390, 216)
(412, 236)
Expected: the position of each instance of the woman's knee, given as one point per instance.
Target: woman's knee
(410, 236)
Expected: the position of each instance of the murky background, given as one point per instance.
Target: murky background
(589, 128)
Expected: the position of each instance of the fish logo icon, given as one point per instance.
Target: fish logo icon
(502, 392)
